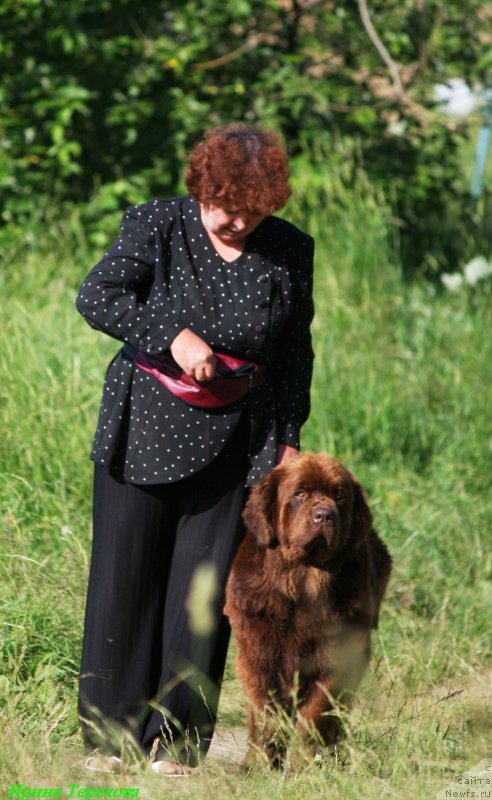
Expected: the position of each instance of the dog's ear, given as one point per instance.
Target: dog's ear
(260, 510)
(362, 517)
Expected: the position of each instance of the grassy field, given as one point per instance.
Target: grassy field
(401, 395)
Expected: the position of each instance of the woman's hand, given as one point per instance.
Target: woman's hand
(193, 355)
(284, 453)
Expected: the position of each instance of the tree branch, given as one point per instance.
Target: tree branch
(373, 36)
(250, 44)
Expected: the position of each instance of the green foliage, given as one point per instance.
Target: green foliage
(101, 101)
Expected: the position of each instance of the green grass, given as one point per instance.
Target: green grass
(401, 395)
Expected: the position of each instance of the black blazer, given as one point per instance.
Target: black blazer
(163, 275)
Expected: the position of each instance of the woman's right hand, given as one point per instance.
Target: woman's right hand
(193, 355)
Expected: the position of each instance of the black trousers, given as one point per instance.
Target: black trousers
(155, 638)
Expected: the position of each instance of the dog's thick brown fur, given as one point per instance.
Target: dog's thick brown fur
(303, 595)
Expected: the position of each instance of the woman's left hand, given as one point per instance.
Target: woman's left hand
(284, 453)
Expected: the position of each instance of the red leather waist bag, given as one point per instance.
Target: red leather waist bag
(233, 380)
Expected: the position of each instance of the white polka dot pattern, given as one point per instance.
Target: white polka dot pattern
(163, 275)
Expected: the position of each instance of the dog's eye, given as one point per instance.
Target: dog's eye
(300, 493)
(340, 496)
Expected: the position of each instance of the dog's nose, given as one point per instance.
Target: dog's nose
(321, 515)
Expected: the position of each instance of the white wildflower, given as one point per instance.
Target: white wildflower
(456, 97)
(452, 280)
(477, 269)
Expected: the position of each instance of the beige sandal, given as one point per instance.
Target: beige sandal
(170, 769)
(101, 763)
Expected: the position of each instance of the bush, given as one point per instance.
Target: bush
(101, 101)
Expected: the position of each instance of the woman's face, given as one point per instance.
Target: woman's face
(229, 225)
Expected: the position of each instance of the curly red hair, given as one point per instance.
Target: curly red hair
(239, 168)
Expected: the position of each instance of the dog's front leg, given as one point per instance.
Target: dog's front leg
(315, 724)
(266, 742)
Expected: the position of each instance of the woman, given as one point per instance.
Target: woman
(195, 277)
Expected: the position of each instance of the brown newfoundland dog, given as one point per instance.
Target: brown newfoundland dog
(303, 595)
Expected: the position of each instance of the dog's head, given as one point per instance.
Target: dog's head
(311, 507)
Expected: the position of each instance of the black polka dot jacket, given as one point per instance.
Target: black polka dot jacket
(163, 275)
